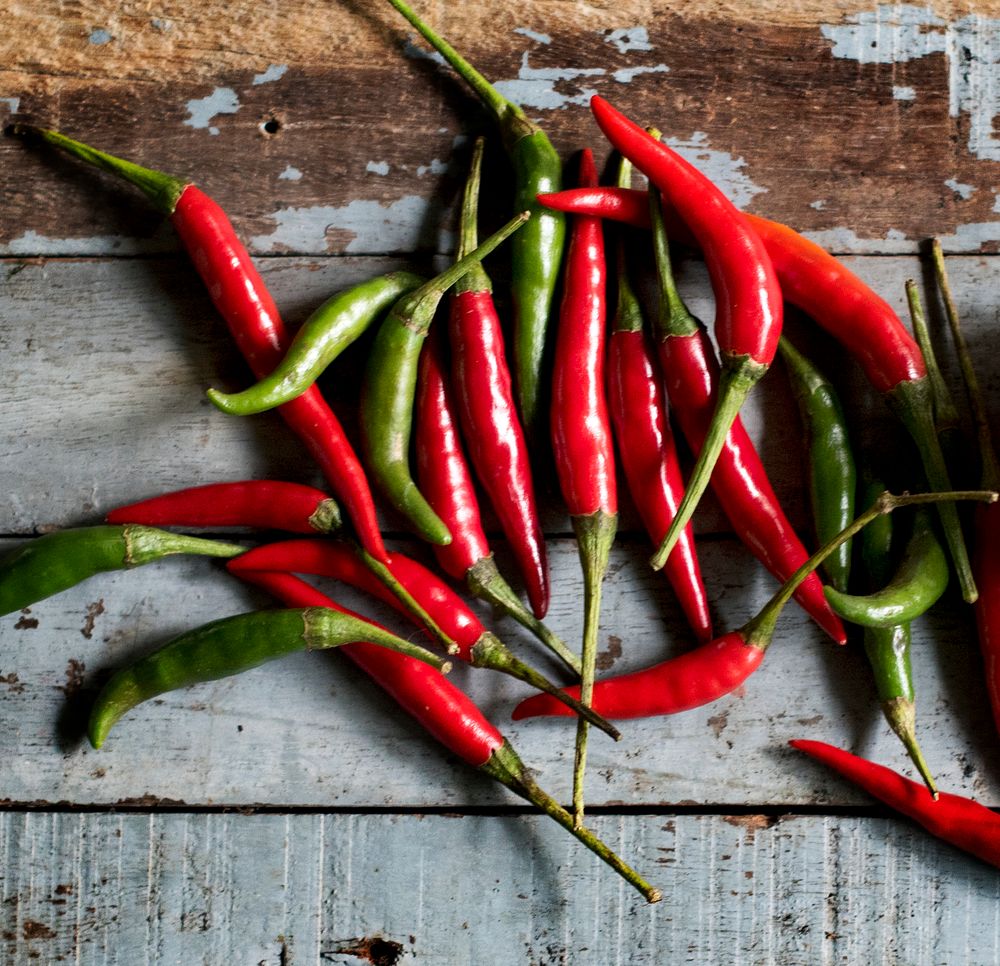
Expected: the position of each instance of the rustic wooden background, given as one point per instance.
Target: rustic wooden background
(292, 815)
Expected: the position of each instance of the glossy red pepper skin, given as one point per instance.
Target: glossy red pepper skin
(492, 431)
(952, 818)
(739, 479)
(690, 680)
(440, 707)
(264, 504)
(648, 456)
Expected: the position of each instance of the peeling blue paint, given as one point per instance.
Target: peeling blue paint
(964, 191)
(408, 224)
(32, 243)
(627, 74)
(533, 35)
(290, 174)
(903, 93)
(629, 38)
(13, 103)
(437, 166)
(378, 167)
(202, 111)
(725, 170)
(161, 25)
(273, 73)
(536, 86)
(99, 36)
(819, 204)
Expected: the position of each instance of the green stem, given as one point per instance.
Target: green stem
(673, 319)
(507, 768)
(595, 533)
(945, 411)
(476, 279)
(759, 630)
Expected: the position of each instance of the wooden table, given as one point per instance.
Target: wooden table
(293, 815)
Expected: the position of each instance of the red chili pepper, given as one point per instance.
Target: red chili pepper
(748, 300)
(960, 821)
(488, 415)
(739, 480)
(581, 434)
(447, 484)
(450, 716)
(264, 504)
(240, 295)
(475, 644)
(866, 325)
(646, 444)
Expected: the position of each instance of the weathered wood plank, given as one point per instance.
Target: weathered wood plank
(311, 730)
(274, 889)
(869, 125)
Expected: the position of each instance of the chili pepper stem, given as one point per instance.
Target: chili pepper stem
(486, 582)
(490, 652)
(902, 717)
(595, 534)
(163, 190)
(408, 601)
(738, 377)
(507, 768)
(945, 411)
(759, 630)
(145, 544)
(912, 402)
(326, 517)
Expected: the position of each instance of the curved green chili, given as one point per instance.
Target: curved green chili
(232, 645)
(832, 472)
(916, 586)
(57, 561)
(390, 384)
(337, 323)
(536, 252)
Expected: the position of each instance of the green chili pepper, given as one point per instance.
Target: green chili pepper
(916, 586)
(390, 384)
(832, 472)
(888, 648)
(536, 253)
(234, 644)
(337, 323)
(54, 562)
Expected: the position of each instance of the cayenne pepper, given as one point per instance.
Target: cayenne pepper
(749, 305)
(451, 717)
(581, 435)
(240, 295)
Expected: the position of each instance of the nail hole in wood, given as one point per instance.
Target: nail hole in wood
(271, 126)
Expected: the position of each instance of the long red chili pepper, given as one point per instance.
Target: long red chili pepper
(265, 504)
(447, 484)
(713, 670)
(739, 480)
(242, 298)
(952, 818)
(865, 324)
(475, 644)
(490, 424)
(748, 300)
(646, 444)
(450, 716)
(581, 434)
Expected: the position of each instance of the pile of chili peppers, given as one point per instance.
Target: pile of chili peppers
(445, 390)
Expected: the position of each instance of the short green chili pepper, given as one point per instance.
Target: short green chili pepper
(390, 384)
(832, 472)
(335, 325)
(915, 587)
(57, 561)
(232, 645)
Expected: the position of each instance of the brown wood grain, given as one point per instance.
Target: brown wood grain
(823, 137)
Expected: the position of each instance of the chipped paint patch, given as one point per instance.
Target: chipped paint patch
(819, 204)
(405, 225)
(536, 86)
(416, 52)
(725, 170)
(996, 203)
(627, 74)
(13, 103)
(437, 166)
(99, 36)
(31, 243)
(203, 110)
(903, 93)
(971, 238)
(273, 73)
(290, 173)
(378, 167)
(964, 191)
(161, 25)
(533, 35)
(629, 38)
(895, 33)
